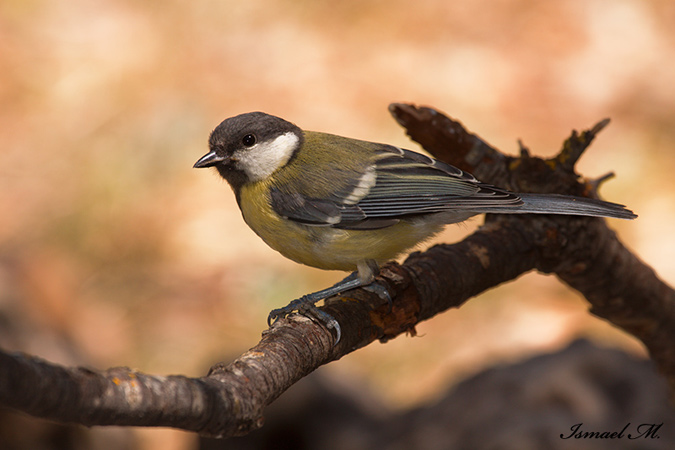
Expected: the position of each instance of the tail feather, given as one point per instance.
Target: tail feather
(568, 205)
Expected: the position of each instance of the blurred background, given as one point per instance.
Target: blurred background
(114, 251)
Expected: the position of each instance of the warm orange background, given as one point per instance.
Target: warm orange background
(114, 251)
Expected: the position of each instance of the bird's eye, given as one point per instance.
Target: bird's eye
(248, 140)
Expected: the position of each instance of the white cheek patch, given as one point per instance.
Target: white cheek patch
(261, 160)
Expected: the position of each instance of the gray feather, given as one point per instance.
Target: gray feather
(568, 205)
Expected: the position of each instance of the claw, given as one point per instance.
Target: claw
(381, 291)
(305, 306)
(321, 316)
(278, 313)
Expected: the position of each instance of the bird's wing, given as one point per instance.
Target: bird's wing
(398, 184)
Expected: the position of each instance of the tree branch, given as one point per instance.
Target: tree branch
(230, 400)
(582, 252)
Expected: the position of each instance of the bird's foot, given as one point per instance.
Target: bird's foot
(306, 305)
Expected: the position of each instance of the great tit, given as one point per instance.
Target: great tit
(337, 203)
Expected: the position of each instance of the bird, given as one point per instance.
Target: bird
(337, 203)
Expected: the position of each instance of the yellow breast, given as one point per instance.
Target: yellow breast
(325, 247)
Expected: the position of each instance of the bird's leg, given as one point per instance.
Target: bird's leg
(306, 305)
(368, 270)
